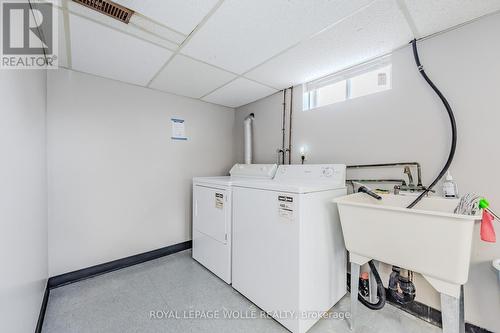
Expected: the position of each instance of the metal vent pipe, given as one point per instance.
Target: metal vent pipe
(248, 133)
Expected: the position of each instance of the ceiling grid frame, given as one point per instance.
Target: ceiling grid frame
(226, 70)
(242, 75)
(401, 4)
(188, 38)
(290, 68)
(409, 19)
(67, 11)
(158, 23)
(118, 30)
(153, 33)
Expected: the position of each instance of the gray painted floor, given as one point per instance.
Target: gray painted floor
(122, 301)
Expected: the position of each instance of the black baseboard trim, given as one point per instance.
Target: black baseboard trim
(43, 308)
(429, 314)
(85, 273)
(424, 312)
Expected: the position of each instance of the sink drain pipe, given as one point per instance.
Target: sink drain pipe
(401, 289)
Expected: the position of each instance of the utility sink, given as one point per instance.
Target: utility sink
(429, 239)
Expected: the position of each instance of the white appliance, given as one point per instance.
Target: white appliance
(289, 256)
(212, 215)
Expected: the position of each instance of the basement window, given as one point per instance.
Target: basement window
(360, 81)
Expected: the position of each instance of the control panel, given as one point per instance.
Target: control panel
(334, 173)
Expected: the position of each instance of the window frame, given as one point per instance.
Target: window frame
(310, 89)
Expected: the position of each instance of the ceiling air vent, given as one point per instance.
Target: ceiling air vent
(109, 8)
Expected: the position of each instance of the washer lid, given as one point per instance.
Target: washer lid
(266, 171)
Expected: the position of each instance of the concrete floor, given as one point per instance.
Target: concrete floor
(122, 301)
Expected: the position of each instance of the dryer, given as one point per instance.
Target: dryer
(289, 256)
(212, 215)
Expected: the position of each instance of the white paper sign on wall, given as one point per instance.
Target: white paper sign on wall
(178, 129)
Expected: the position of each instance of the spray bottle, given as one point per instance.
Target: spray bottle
(450, 189)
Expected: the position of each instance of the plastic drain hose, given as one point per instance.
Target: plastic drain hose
(452, 122)
(380, 291)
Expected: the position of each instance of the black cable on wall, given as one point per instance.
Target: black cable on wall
(452, 122)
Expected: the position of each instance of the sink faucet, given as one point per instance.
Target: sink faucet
(411, 187)
(402, 186)
(407, 172)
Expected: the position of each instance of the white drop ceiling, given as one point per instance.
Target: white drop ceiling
(180, 15)
(356, 39)
(239, 92)
(233, 52)
(188, 77)
(131, 60)
(243, 34)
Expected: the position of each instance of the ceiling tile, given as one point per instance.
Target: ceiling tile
(188, 77)
(239, 92)
(181, 15)
(138, 26)
(242, 34)
(375, 31)
(103, 51)
(434, 16)
(142, 22)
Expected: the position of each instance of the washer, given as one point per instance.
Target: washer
(212, 215)
(289, 256)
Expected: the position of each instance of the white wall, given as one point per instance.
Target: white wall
(118, 185)
(23, 197)
(409, 123)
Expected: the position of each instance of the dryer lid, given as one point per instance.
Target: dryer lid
(266, 171)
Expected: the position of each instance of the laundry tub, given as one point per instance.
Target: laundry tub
(496, 266)
(428, 239)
